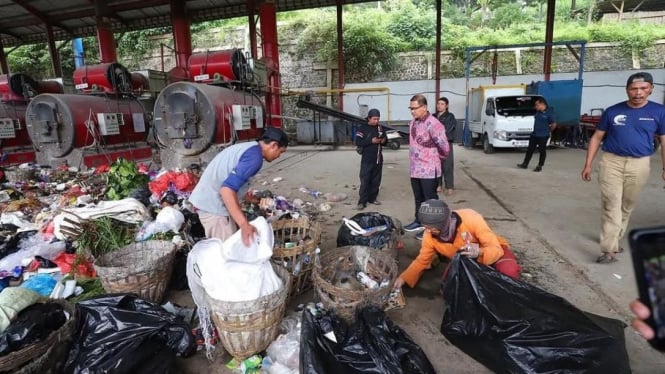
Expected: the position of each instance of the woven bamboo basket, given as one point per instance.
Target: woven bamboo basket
(375, 263)
(142, 268)
(47, 356)
(15, 175)
(248, 327)
(297, 240)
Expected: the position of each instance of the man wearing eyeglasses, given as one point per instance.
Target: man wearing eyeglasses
(428, 145)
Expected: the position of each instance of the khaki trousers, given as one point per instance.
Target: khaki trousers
(220, 227)
(621, 181)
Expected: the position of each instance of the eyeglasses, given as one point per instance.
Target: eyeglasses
(416, 108)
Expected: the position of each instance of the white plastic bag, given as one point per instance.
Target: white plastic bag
(284, 352)
(230, 271)
(29, 248)
(171, 218)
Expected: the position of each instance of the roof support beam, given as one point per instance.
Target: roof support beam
(3, 59)
(42, 17)
(103, 9)
(53, 51)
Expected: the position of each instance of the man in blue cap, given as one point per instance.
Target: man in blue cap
(370, 138)
(226, 177)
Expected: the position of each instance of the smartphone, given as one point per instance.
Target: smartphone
(647, 248)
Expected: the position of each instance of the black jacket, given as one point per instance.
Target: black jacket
(371, 153)
(448, 120)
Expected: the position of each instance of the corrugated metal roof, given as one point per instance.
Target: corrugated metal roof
(25, 21)
(608, 6)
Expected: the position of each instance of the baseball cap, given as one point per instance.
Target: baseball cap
(373, 113)
(435, 213)
(639, 77)
(273, 134)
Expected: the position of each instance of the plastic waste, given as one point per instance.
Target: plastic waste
(368, 229)
(513, 327)
(285, 350)
(33, 324)
(43, 284)
(144, 337)
(372, 344)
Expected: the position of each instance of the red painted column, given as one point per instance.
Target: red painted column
(53, 52)
(251, 13)
(107, 51)
(182, 35)
(3, 59)
(268, 23)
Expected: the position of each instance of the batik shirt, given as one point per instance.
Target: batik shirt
(428, 144)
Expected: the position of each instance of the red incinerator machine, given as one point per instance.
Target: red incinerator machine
(195, 120)
(106, 121)
(16, 90)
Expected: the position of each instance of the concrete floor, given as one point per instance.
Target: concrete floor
(550, 218)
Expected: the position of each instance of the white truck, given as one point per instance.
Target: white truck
(501, 116)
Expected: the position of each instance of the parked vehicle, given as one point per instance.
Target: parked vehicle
(501, 116)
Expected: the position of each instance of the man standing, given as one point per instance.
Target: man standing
(227, 177)
(463, 231)
(629, 129)
(369, 138)
(427, 146)
(448, 121)
(544, 123)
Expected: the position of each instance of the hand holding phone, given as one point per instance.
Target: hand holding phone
(647, 248)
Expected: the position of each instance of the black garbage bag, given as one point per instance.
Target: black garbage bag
(179, 275)
(32, 325)
(141, 194)
(372, 344)
(125, 334)
(376, 240)
(514, 327)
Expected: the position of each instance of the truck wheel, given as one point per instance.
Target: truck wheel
(487, 146)
(394, 145)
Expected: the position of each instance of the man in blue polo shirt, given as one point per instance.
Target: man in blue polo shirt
(227, 177)
(629, 129)
(543, 124)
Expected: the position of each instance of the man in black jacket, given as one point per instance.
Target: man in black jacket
(448, 120)
(369, 139)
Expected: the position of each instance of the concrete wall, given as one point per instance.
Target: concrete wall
(601, 89)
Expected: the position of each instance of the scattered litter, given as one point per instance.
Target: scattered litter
(617, 276)
(335, 197)
(527, 275)
(324, 207)
(278, 179)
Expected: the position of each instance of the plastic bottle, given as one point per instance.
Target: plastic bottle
(366, 280)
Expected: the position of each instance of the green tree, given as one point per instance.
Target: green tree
(368, 48)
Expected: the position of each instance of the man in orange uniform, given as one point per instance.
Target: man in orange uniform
(465, 231)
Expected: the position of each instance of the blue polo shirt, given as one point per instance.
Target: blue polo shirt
(542, 122)
(630, 131)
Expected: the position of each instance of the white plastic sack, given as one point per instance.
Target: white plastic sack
(229, 271)
(127, 210)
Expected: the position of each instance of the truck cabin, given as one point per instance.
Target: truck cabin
(511, 106)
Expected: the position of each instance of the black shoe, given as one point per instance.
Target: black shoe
(419, 236)
(360, 206)
(538, 168)
(413, 226)
(522, 166)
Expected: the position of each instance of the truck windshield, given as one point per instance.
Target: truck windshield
(516, 105)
